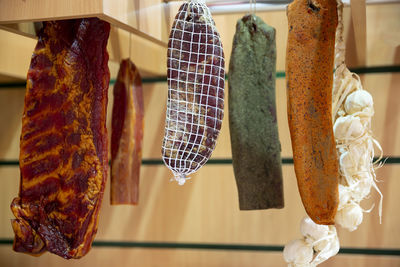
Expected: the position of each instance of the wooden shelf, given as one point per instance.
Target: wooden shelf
(149, 19)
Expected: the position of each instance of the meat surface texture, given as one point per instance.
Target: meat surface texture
(63, 146)
(126, 135)
(195, 102)
(256, 150)
(309, 69)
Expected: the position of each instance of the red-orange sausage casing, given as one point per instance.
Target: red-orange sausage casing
(309, 69)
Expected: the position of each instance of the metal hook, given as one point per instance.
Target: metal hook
(252, 7)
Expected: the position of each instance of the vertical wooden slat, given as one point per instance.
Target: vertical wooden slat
(358, 15)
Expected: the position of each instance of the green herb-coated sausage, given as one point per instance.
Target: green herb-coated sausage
(256, 150)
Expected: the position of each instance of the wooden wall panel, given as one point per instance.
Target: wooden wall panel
(142, 51)
(15, 54)
(382, 37)
(206, 208)
(12, 107)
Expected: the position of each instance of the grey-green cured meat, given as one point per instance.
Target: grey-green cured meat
(256, 149)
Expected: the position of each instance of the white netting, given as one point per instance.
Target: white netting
(195, 90)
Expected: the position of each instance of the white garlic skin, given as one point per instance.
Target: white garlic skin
(362, 188)
(348, 164)
(358, 101)
(298, 252)
(348, 127)
(359, 154)
(325, 242)
(350, 216)
(329, 248)
(344, 195)
(311, 230)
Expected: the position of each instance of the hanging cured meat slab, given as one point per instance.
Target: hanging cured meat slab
(63, 148)
(126, 135)
(256, 150)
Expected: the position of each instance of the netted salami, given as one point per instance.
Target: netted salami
(195, 90)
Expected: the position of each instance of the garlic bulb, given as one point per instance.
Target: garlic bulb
(348, 165)
(344, 195)
(329, 249)
(358, 101)
(348, 127)
(359, 154)
(350, 216)
(325, 241)
(362, 188)
(321, 239)
(313, 231)
(298, 252)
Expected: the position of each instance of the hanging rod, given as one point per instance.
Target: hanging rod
(279, 74)
(227, 247)
(385, 160)
(240, 6)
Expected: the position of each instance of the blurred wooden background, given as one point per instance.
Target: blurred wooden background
(205, 209)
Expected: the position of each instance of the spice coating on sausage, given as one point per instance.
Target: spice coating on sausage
(309, 70)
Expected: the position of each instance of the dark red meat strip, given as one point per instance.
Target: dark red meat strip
(126, 135)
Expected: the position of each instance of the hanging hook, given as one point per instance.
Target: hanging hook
(252, 7)
(250, 1)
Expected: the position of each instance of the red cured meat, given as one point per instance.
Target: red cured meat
(63, 148)
(126, 135)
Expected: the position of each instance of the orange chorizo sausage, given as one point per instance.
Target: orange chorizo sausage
(309, 68)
